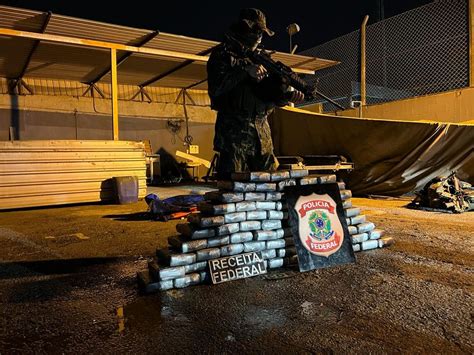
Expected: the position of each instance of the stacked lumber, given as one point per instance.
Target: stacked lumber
(44, 173)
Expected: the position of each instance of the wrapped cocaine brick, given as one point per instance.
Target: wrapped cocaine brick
(270, 224)
(275, 244)
(282, 184)
(346, 194)
(229, 228)
(236, 186)
(265, 187)
(359, 238)
(166, 273)
(266, 205)
(241, 237)
(280, 253)
(207, 254)
(211, 209)
(352, 212)
(347, 204)
(257, 215)
(254, 246)
(187, 280)
(232, 249)
(235, 217)
(250, 226)
(274, 263)
(314, 179)
(199, 266)
(275, 214)
(192, 232)
(376, 234)
(147, 285)
(362, 218)
(268, 234)
(205, 222)
(254, 196)
(184, 245)
(369, 244)
(273, 196)
(224, 197)
(166, 257)
(269, 253)
(218, 241)
(280, 175)
(298, 173)
(365, 227)
(245, 206)
(352, 229)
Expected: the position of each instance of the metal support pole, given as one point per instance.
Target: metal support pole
(363, 90)
(471, 43)
(113, 60)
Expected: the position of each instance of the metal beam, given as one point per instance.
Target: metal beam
(195, 84)
(23, 84)
(115, 123)
(362, 61)
(91, 88)
(34, 46)
(101, 44)
(172, 70)
(142, 92)
(471, 42)
(190, 58)
(124, 56)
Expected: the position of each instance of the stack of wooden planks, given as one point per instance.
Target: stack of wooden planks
(44, 173)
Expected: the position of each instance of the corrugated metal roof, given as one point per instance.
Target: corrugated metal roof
(99, 31)
(70, 62)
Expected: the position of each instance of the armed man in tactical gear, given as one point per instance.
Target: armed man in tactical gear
(244, 94)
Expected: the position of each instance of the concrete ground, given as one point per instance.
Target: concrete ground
(67, 285)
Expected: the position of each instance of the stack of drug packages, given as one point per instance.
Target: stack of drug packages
(247, 214)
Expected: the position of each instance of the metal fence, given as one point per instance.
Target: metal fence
(419, 52)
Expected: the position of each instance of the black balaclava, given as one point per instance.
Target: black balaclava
(248, 37)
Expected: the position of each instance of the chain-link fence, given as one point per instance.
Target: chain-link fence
(419, 52)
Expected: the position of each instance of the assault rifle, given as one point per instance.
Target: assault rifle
(262, 57)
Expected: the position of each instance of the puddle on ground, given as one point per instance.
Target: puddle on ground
(149, 311)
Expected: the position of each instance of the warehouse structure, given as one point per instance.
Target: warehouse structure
(71, 79)
(68, 82)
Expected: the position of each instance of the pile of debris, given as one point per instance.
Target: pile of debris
(445, 194)
(247, 214)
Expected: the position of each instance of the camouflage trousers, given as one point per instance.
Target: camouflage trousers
(241, 160)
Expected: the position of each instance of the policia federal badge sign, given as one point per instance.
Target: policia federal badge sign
(318, 225)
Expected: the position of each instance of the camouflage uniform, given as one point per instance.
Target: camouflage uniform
(242, 133)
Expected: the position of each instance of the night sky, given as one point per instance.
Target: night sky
(320, 21)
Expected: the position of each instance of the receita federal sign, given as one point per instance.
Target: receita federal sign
(236, 267)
